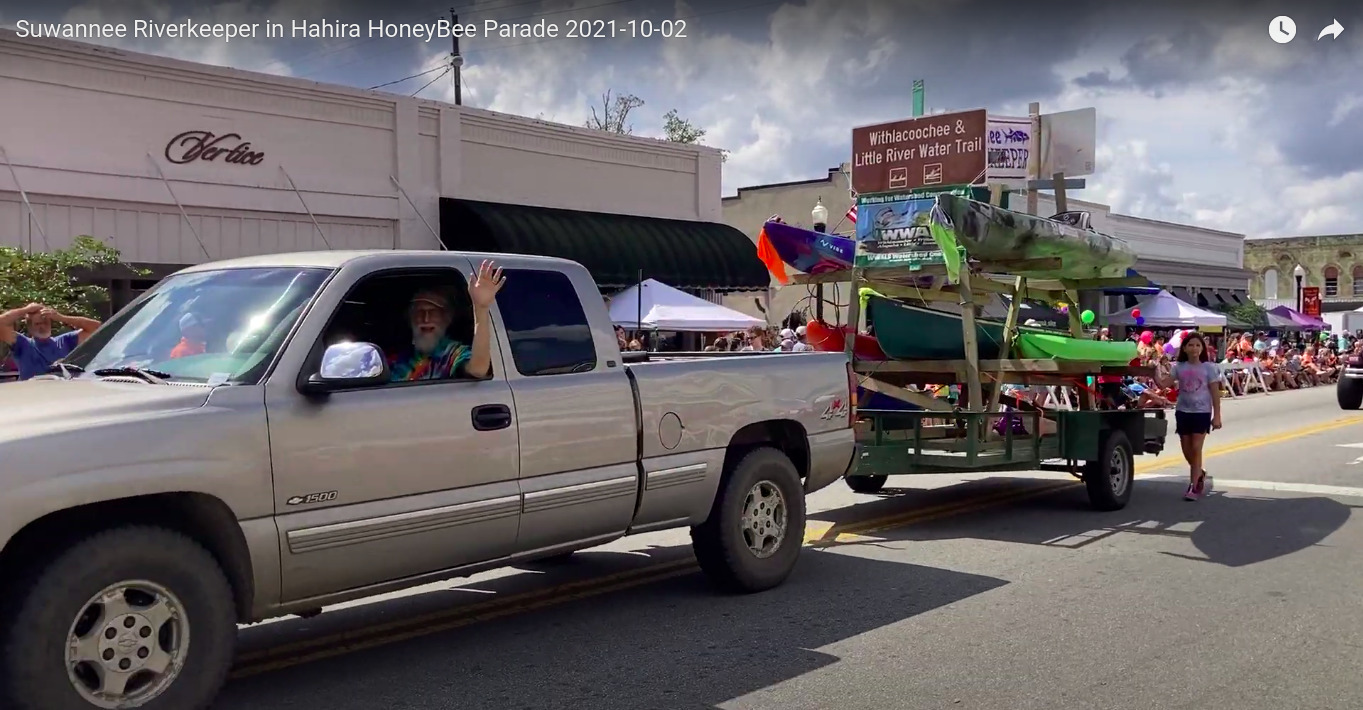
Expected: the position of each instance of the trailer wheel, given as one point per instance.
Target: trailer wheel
(752, 539)
(1349, 392)
(1109, 479)
(866, 484)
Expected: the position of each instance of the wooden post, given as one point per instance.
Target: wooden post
(1077, 331)
(1009, 326)
(853, 316)
(1062, 202)
(1033, 154)
(972, 346)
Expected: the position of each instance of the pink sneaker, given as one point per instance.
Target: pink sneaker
(1191, 494)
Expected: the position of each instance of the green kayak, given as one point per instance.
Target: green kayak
(910, 332)
(992, 233)
(1045, 346)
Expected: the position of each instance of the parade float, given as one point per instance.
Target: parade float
(924, 263)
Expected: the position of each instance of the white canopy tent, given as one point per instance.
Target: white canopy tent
(665, 308)
(1164, 310)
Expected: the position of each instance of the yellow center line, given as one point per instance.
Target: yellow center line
(818, 533)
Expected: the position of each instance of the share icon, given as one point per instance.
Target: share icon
(1333, 30)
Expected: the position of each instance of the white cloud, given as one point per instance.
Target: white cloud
(1204, 143)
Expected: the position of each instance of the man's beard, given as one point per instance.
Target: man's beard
(425, 342)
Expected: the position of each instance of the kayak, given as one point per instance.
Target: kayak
(991, 233)
(1044, 346)
(830, 338)
(809, 251)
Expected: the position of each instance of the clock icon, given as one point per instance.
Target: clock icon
(1282, 29)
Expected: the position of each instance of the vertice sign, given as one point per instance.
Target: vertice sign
(945, 149)
(204, 145)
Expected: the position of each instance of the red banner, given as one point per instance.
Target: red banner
(1310, 300)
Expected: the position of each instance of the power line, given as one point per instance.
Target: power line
(438, 67)
(432, 81)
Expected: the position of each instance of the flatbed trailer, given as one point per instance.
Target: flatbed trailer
(1097, 446)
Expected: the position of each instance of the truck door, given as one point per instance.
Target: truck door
(398, 480)
(575, 410)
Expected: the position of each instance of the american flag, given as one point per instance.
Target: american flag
(852, 214)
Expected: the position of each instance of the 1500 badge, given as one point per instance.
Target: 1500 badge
(837, 409)
(309, 499)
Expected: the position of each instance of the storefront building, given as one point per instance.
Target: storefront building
(1332, 263)
(1200, 266)
(176, 163)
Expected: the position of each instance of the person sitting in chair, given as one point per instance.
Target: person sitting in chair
(433, 354)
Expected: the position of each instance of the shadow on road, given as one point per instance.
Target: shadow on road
(1231, 530)
(670, 645)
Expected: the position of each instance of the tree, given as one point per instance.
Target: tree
(614, 116)
(1250, 313)
(52, 278)
(680, 130)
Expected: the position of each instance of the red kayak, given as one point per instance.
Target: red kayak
(829, 338)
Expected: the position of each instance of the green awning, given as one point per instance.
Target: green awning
(614, 248)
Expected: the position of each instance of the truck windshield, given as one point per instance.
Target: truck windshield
(216, 327)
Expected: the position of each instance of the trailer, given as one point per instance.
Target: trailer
(930, 434)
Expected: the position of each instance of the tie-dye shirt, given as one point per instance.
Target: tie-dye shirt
(446, 360)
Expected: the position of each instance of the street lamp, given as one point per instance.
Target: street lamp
(820, 217)
(1299, 274)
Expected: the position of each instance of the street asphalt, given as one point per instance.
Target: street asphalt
(1003, 592)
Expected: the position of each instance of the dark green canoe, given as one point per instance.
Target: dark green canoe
(908, 332)
(915, 333)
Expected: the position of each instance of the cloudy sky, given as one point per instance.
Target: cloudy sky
(1202, 118)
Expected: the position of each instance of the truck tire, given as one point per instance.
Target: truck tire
(1109, 479)
(148, 607)
(752, 539)
(866, 484)
(1349, 392)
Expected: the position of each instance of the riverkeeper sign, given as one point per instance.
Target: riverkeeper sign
(945, 149)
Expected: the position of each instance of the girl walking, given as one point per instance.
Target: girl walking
(1197, 411)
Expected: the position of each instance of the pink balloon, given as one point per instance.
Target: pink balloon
(1147, 337)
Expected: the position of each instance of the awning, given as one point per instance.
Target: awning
(1147, 289)
(613, 247)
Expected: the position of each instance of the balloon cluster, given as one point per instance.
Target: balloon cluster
(1136, 313)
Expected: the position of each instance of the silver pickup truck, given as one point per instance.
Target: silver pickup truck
(267, 436)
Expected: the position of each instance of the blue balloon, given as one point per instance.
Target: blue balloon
(1140, 320)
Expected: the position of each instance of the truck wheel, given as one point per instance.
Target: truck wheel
(866, 484)
(133, 617)
(1109, 479)
(1349, 392)
(753, 536)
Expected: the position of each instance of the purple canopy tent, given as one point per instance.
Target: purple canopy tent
(1301, 319)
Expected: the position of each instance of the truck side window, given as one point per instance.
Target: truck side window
(421, 319)
(545, 323)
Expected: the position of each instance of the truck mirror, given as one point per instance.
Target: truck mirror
(348, 365)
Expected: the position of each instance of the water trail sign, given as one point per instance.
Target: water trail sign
(945, 149)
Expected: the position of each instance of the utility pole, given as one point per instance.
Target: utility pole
(456, 59)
